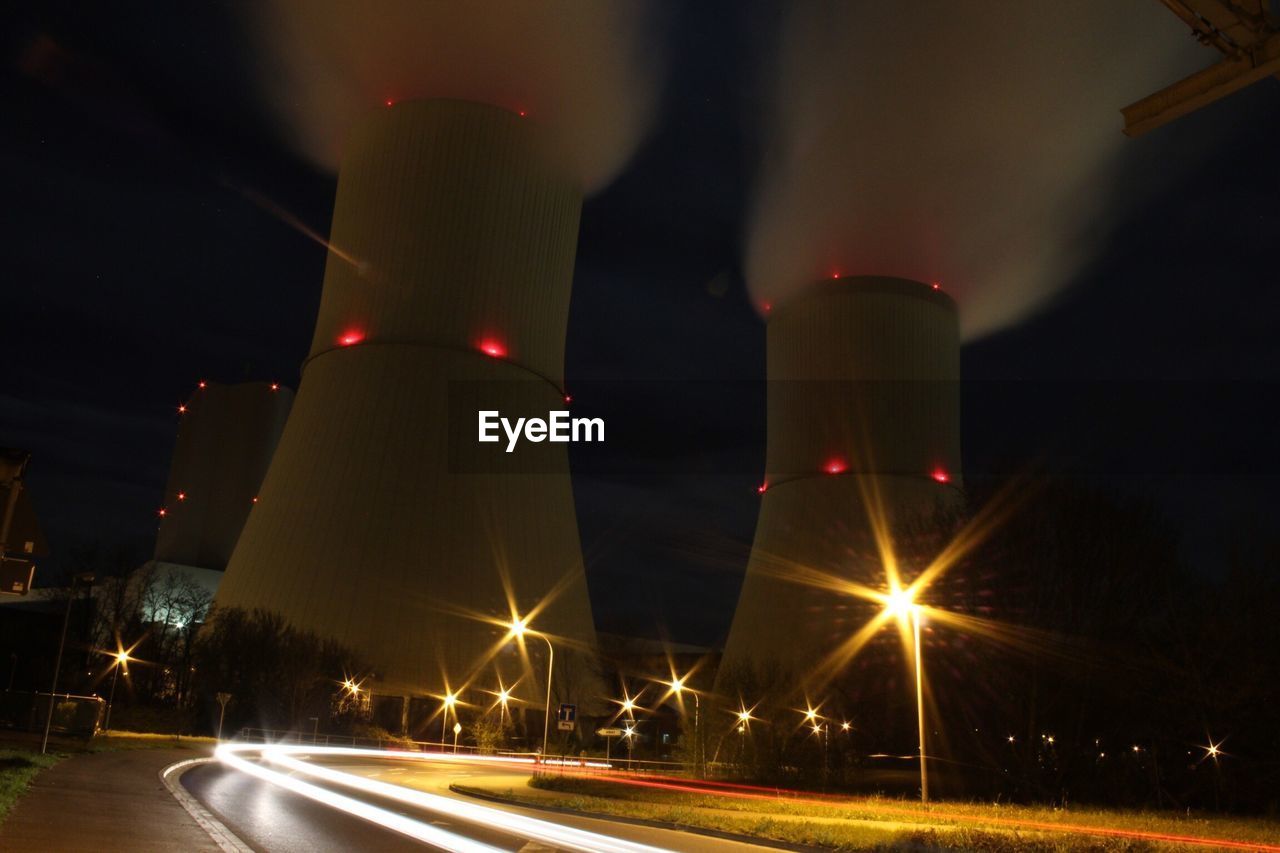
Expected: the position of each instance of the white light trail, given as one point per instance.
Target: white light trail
(517, 824)
(399, 823)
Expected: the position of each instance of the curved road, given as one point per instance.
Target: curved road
(272, 819)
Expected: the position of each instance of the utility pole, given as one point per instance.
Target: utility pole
(87, 577)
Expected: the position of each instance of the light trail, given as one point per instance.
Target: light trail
(582, 840)
(415, 829)
(517, 824)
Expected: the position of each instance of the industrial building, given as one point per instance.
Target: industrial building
(382, 523)
(226, 437)
(863, 425)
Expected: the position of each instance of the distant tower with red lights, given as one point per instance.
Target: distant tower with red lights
(863, 421)
(226, 437)
(453, 242)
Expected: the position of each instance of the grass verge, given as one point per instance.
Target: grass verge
(871, 823)
(17, 769)
(146, 740)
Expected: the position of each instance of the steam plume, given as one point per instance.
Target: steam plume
(584, 70)
(965, 143)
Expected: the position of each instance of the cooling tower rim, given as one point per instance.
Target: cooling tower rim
(444, 99)
(560, 387)
(858, 285)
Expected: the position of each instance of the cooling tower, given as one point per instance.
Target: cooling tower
(863, 420)
(452, 250)
(226, 436)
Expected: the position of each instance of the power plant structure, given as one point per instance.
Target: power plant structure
(227, 435)
(226, 438)
(381, 523)
(863, 436)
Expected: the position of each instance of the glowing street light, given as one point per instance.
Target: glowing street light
(518, 628)
(450, 700)
(121, 659)
(504, 698)
(677, 687)
(900, 604)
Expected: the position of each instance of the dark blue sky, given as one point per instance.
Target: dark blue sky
(133, 271)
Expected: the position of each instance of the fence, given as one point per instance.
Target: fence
(551, 765)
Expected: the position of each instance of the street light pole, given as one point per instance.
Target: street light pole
(87, 577)
(698, 757)
(546, 717)
(924, 773)
(111, 697)
(518, 628)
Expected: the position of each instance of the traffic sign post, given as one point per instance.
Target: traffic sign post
(567, 717)
(608, 734)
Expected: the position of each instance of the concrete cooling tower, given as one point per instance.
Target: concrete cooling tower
(453, 242)
(863, 408)
(226, 437)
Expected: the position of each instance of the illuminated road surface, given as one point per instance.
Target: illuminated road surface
(295, 799)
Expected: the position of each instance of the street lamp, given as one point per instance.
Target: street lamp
(87, 577)
(121, 659)
(518, 628)
(900, 603)
(450, 699)
(677, 687)
(504, 696)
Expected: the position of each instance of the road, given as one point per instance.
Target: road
(270, 818)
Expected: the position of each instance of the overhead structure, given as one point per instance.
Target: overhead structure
(381, 524)
(863, 437)
(1245, 32)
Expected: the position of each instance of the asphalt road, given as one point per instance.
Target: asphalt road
(274, 820)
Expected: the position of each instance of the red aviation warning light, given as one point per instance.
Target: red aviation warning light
(941, 475)
(835, 466)
(762, 488)
(492, 348)
(182, 496)
(162, 512)
(275, 386)
(351, 338)
(203, 385)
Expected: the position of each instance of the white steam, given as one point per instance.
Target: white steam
(583, 69)
(966, 143)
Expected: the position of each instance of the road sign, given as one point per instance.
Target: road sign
(610, 732)
(15, 576)
(566, 717)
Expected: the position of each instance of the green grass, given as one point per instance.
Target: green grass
(868, 823)
(17, 769)
(146, 740)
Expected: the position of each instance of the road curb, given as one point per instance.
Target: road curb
(216, 829)
(463, 790)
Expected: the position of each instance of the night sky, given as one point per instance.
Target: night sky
(136, 266)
